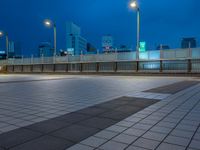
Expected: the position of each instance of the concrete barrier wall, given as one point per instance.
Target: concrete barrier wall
(37, 68)
(48, 68)
(107, 67)
(89, 67)
(126, 67)
(27, 68)
(10, 69)
(195, 65)
(153, 66)
(18, 68)
(74, 67)
(3, 69)
(173, 66)
(61, 68)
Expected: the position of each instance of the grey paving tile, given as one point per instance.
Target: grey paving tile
(75, 133)
(131, 107)
(45, 143)
(167, 146)
(9, 128)
(135, 148)
(48, 126)
(161, 129)
(191, 149)
(93, 111)
(106, 134)
(146, 143)
(125, 123)
(182, 133)
(93, 141)
(195, 144)
(80, 147)
(17, 137)
(149, 121)
(187, 127)
(154, 136)
(115, 115)
(135, 132)
(72, 118)
(98, 122)
(167, 124)
(112, 145)
(173, 88)
(133, 119)
(142, 126)
(124, 138)
(197, 136)
(177, 140)
(116, 128)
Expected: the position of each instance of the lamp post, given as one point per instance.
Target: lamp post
(49, 23)
(134, 5)
(7, 42)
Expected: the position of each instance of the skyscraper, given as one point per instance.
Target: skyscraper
(75, 44)
(45, 49)
(188, 43)
(14, 49)
(107, 43)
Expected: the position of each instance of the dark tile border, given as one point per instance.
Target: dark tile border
(64, 131)
(173, 88)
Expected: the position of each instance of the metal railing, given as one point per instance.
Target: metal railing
(174, 54)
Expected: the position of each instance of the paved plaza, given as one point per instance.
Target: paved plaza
(60, 112)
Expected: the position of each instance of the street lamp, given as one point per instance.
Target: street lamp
(48, 23)
(134, 5)
(1, 35)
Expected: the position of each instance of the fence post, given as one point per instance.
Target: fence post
(22, 60)
(42, 59)
(32, 59)
(116, 66)
(66, 68)
(161, 66)
(137, 66)
(97, 67)
(189, 66)
(81, 67)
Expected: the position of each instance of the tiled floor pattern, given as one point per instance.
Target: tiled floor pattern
(26, 103)
(149, 95)
(171, 124)
(64, 131)
(173, 88)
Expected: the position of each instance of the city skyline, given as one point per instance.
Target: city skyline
(157, 23)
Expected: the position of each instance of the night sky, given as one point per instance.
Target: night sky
(162, 21)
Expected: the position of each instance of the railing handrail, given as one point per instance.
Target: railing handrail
(172, 54)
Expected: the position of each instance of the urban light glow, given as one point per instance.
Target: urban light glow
(48, 23)
(1, 33)
(133, 4)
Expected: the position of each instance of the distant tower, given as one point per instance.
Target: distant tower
(188, 43)
(45, 49)
(107, 43)
(75, 44)
(14, 49)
